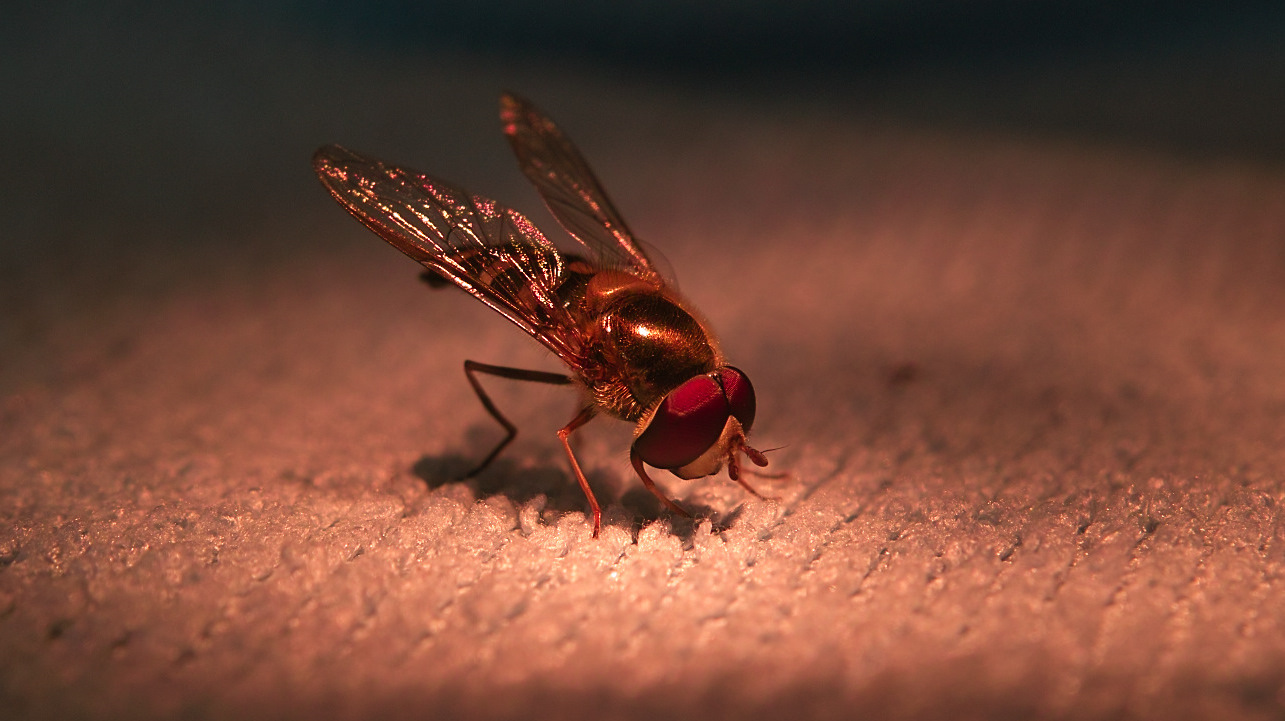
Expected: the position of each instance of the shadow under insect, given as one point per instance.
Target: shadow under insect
(523, 481)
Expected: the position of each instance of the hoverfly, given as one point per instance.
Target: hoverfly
(634, 347)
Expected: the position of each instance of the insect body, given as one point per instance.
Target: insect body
(634, 346)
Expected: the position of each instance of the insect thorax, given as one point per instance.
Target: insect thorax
(649, 345)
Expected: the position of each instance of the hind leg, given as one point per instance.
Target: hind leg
(472, 368)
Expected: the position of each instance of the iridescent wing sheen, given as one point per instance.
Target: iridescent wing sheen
(492, 252)
(569, 188)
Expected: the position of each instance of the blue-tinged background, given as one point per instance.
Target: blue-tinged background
(202, 113)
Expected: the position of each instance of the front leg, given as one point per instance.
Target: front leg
(637, 461)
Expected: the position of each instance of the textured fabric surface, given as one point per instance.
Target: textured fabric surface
(1028, 396)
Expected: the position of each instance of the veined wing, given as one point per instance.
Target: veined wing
(492, 252)
(569, 188)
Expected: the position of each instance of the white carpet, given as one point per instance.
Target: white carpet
(1029, 396)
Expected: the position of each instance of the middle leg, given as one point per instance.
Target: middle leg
(586, 414)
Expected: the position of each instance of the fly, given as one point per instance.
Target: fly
(634, 347)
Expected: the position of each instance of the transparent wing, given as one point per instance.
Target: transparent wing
(492, 252)
(569, 188)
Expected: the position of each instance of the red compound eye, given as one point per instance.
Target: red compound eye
(687, 423)
(740, 395)
(691, 418)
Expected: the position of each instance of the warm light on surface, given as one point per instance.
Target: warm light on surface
(1026, 386)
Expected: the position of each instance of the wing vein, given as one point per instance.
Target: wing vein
(492, 252)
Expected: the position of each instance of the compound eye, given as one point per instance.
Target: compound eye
(688, 422)
(740, 395)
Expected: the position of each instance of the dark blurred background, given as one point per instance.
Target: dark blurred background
(195, 120)
(114, 80)
(1195, 77)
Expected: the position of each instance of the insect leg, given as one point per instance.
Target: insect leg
(738, 474)
(517, 374)
(642, 473)
(565, 434)
(746, 485)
